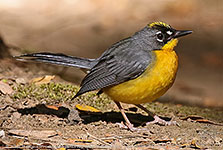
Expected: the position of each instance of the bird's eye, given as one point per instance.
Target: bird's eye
(160, 36)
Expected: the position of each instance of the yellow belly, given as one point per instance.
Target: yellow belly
(152, 84)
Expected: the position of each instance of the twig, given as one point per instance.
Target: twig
(98, 139)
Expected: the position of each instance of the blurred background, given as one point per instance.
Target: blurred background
(88, 27)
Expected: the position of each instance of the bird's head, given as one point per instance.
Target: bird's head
(161, 36)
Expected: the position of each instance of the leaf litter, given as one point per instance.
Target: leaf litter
(41, 117)
(5, 88)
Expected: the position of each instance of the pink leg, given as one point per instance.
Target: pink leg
(128, 123)
(157, 119)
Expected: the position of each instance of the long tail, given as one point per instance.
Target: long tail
(59, 59)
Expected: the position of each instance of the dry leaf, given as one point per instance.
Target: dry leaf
(61, 148)
(200, 120)
(86, 108)
(5, 88)
(42, 80)
(17, 142)
(52, 107)
(208, 121)
(193, 144)
(34, 133)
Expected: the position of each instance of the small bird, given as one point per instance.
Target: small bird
(135, 70)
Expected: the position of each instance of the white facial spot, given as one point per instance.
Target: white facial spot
(169, 32)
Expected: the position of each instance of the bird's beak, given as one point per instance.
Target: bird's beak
(179, 33)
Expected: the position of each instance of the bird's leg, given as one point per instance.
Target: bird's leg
(128, 123)
(157, 119)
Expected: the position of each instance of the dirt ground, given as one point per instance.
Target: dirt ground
(42, 115)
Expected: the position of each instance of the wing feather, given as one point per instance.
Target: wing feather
(121, 63)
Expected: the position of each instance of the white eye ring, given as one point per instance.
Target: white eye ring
(160, 36)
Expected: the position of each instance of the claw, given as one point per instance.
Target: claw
(130, 127)
(127, 126)
(160, 121)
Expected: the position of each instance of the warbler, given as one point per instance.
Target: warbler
(135, 70)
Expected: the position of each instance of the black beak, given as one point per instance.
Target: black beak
(179, 33)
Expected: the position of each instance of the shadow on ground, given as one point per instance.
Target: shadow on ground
(85, 117)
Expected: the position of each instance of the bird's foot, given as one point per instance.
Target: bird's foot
(127, 126)
(161, 121)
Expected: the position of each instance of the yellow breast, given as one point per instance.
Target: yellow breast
(153, 83)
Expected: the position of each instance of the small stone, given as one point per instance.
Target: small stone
(20, 81)
(74, 117)
(16, 115)
(2, 133)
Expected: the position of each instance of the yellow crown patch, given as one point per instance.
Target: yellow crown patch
(159, 24)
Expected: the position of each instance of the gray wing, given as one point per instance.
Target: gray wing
(122, 62)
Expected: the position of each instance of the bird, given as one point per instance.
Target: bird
(136, 70)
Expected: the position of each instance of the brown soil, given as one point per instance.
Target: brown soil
(28, 121)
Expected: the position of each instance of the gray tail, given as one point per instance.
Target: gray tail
(59, 59)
